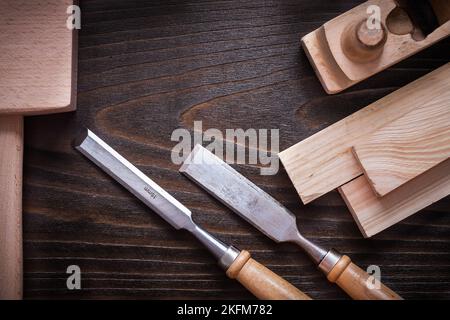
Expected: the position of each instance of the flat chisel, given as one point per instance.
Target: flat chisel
(275, 221)
(259, 280)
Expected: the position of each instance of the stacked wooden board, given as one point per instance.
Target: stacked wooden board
(388, 160)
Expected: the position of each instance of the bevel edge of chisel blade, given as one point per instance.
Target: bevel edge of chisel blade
(173, 220)
(287, 233)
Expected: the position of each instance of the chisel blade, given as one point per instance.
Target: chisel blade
(134, 180)
(240, 195)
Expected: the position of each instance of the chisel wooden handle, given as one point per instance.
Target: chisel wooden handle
(11, 149)
(356, 283)
(262, 282)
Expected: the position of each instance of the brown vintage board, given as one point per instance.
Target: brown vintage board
(374, 214)
(338, 68)
(324, 161)
(38, 63)
(406, 147)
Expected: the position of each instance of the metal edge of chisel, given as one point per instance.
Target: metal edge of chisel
(150, 193)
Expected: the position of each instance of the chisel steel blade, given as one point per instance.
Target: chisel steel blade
(246, 199)
(134, 180)
(240, 195)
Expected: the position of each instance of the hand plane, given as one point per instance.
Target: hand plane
(372, 37)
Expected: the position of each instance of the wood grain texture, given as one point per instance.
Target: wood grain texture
(146, 68)
(262, 282)
(11, 152)
(36, 59)
(324, 161)
(406, 147)
(374, 214)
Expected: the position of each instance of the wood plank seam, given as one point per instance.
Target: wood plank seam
(374, 214)
(324, 161)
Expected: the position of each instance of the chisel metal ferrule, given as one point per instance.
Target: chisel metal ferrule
(329, 261)
(229, 257)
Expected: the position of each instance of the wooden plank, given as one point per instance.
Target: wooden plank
(406, 147)
(324, 161)
(374, 214)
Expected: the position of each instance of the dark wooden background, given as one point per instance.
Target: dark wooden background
(149, 67)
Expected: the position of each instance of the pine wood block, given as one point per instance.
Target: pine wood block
(374, 214)
(324, 161)
(340, 60)
(406, 147)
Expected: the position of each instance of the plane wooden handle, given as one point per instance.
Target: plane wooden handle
(262, 282)
(11, 150)
(356, 283)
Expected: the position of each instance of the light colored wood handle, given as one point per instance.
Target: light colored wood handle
(262, 282)
(356, 283)
(11, 153)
